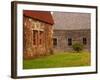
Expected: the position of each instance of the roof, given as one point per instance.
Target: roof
(39, 15)
(71, 20)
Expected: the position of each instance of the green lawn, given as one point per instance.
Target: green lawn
(65, 59)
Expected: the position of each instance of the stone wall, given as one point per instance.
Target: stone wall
(37, 38)
(77, 37)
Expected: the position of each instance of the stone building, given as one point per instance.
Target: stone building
(37, 33)
(70, 28)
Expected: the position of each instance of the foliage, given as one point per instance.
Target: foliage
(77, 47)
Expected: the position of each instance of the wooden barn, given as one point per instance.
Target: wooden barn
(71, 28)
(37, 33)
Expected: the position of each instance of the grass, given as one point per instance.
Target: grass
(61, 59)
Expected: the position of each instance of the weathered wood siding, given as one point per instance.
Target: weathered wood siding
(76, 36)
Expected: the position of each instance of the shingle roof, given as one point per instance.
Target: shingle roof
(39, 15)
(71, 21)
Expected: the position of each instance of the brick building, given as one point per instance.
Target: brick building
(70, 28)
(37, 33)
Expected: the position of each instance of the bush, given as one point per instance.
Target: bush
(77, 47)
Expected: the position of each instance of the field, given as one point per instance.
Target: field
(61, 59)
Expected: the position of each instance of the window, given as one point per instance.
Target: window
(37, 37)
(69, 41)
(41, 37)
(55, 41)
(84, 41)
(35, 33)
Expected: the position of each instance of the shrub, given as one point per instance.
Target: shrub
(77, 47)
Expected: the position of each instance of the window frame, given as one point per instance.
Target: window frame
(69, 41)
